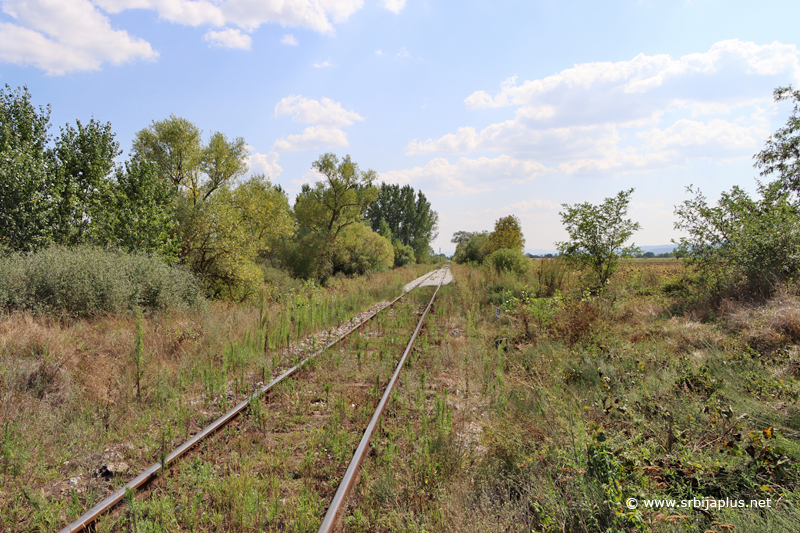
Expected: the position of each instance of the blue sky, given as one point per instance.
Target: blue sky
(490, 108)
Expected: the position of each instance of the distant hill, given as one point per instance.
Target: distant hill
(660, 249)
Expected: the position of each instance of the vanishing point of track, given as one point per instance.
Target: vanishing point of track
(348, 480)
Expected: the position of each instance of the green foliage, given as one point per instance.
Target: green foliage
(221, 229)
(360, 250)
(139, 214)
(598, 234)
(27, 187)
(403, 255)
(83, 162)
(86, 281)
(410, 219)
(781, 154)
(68, 193)
(471, 246)
(742, 244)
(323, 211)
(507, 234)
(508, 260)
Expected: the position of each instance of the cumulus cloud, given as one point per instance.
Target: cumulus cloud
(289, 40)
(324, 111)
(61, 36)
(318, 15)
(66, 35)
(266, 164)
(312, 138)
(470, 176)
(327, 116)
(395, 6)
(630, 116)
(229, 38)
(322, 64)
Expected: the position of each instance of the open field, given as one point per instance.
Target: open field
(548, 418)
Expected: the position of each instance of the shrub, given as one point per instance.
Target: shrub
(506, 260)
(87, 281)
(743, 245)
(403, 254)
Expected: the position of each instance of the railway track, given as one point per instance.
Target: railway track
(253, 402)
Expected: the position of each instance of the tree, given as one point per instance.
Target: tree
(781, 155)
(221, 229)
(140, 212)
(471, 246)
(50, 193)
(84, 161)
(408, 216)
(28, 194)
(327, 208)
(598, 234)
(507, 234)
(742, 243)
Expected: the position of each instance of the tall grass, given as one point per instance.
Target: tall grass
(87, 281)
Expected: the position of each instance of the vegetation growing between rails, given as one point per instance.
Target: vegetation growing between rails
(87, 404)
(552, 416)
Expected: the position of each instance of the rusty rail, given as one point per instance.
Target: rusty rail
(142, 479)
(331, 517)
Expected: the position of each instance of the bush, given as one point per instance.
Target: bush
(87, 281)
(506, 260)
(742, 245)
(403, 254)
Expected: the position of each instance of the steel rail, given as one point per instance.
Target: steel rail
(330, 520)
(142, 479)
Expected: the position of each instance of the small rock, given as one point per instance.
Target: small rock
(72, 481)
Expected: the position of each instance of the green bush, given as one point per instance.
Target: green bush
(86, 281)
(403, 254)
(506, 260)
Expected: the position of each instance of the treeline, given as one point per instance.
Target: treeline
(740, 246)
(502, 248)
(189, 202)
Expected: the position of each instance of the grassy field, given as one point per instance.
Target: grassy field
(552, 416)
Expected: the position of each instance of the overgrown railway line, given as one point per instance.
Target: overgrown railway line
(253, 402)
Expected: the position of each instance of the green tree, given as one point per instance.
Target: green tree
(83, 163)
(742, 244)
(28, 193)
(221, 229)
(471, 246)
(781, 155)
(327, 208)
(140, 211)
(507, 234)
(598, 234)
(408, 215)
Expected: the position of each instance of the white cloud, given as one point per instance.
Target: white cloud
(630, 116)
(403, 53)
(59, 36)
(395, 6)
(318, 15)
(266, 164)
(719, 134)
(466, 176)
(324, 111)
(229, 38)
(289, 40)
(378, 53)
(312, 138)
(646, 73)
(322, 64)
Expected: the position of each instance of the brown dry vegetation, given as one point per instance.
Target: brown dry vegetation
(547, 419)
